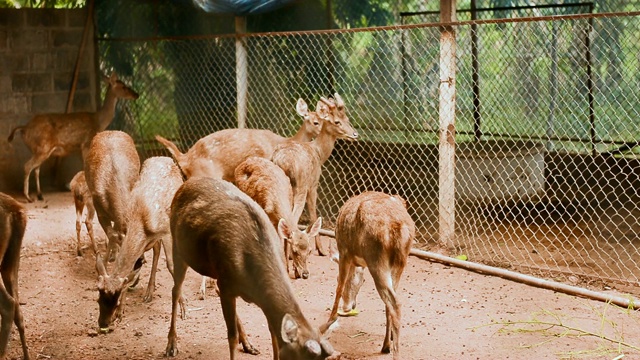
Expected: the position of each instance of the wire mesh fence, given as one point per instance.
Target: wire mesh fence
(547, 160)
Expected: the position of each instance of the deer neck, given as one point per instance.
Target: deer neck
(324, 145)
(107, 110)
(276, 310)
(132, 248)
(301, 135)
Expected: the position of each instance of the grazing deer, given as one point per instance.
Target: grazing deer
(49, 135)
(112, 166)
(81, 199)
(373, 230)
(13, 222)
(217, 155)
(302, 162)
(147, 228)
(268, 185)
(222, 233)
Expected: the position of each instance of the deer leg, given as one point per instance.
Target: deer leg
(148, 296)
(312, 198)
(38, 191)
(179, 272)
(274, 345)
(78, 230)
(383, 281)
(88, 223)
(7, 309)
(9, 295)
(167, 245)
(33, 163)
(230, 318)
(345, 267)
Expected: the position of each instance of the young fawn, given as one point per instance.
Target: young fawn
(82, 199)
(268, 185)
(373, 230)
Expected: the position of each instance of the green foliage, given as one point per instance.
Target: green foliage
(58, 4)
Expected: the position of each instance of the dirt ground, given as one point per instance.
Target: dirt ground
(447, 313)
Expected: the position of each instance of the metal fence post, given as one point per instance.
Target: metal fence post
(241, 71)
(447, 147)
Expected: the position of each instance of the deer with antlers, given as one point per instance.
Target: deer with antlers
(49, 135)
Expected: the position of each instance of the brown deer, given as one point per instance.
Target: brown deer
(49, 135)
(302, 162)
(373, 230)
(13, 222)
(81, 199)
(222, 233)
(217, 155)
(147, 228)
(111, 167)
(268, 185)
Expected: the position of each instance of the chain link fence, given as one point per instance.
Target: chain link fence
(547, 129)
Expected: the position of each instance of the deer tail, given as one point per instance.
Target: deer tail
(13, 132)
(173, 149)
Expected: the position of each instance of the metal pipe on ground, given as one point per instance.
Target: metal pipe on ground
(629, 303)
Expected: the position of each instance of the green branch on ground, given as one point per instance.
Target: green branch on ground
(558, 327)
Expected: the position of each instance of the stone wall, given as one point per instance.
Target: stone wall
(38, 54)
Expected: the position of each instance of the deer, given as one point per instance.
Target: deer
(82, 199)
(112, 166)
(221, 233)
(55, 134)
(147, 228)
(13, 223)
(302, 162)
(218, 154)
(268, 186)
(374, 231)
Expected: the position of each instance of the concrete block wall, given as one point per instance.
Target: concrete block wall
(38, 54)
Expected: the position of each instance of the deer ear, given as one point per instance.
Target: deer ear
(322, 110)
(283, 229)
(302, 108)
(315, 228)
(113, 78)
(289, 329)
(339, 101)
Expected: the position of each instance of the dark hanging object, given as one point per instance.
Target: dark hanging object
(240, 7)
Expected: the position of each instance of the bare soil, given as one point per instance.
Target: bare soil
(447, 313)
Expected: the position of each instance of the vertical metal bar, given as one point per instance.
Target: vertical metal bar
(329, 51)
(554, 85)
(475, 76)
(592, 116)
(447, 106)
(405, 79)
(241, 71)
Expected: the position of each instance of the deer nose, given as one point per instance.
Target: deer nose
(305, 274)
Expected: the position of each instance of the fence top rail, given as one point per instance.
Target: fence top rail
(502, 8)
(379, 28)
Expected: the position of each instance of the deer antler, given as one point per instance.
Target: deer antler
(339, 100)
(329, 103)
